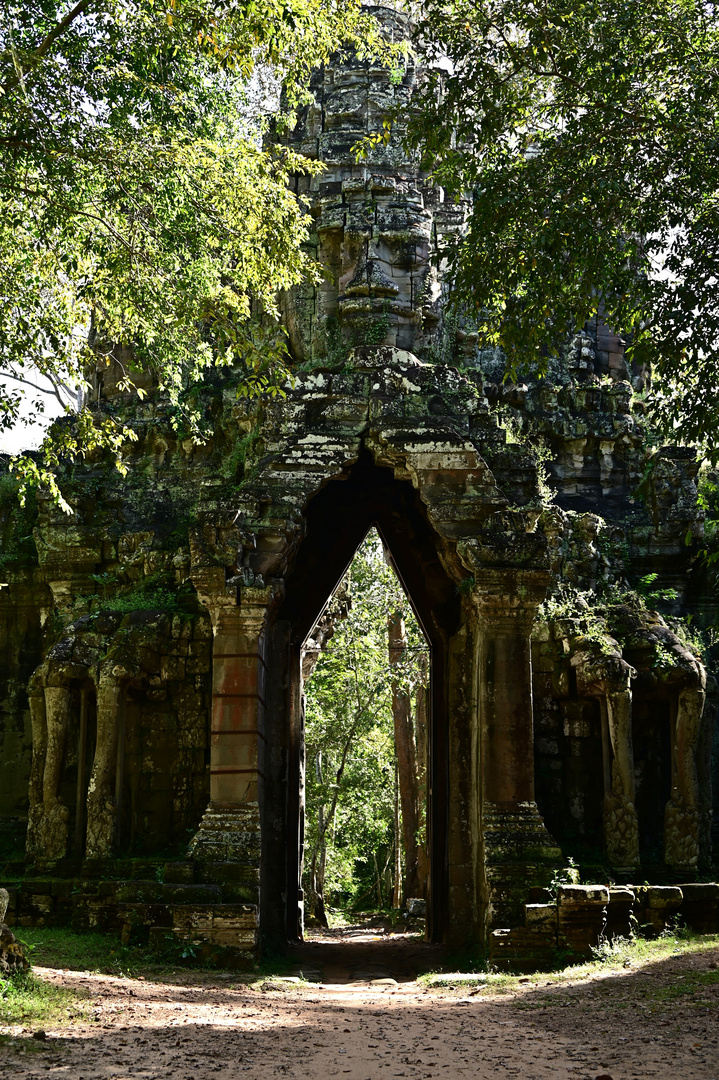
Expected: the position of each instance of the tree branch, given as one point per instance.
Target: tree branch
(45, 44)
(54, 392)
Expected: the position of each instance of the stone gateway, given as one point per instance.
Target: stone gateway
(151, 733)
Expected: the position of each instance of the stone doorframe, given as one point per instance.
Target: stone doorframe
(398, 445)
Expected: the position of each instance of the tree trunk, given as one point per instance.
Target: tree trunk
(397, 891)
(406, 754)
(379, 880)
(317, 881)
(317, 876)
(421, 727)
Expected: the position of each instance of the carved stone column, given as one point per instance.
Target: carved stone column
(36, 697)
(621, 828)
(602, 673)
(230, 827)
(518, 849)
(681, 816)
(55, 816)
(101, 803)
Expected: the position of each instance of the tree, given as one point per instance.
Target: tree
(405, 741)
(587, 134)
(138, 203)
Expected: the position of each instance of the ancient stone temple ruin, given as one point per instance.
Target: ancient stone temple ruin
(151, 733)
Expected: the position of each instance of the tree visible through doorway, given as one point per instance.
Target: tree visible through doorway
(366, 745)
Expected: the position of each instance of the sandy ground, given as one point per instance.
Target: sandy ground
(618, 1025)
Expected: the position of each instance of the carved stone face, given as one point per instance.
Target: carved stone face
(376, 220)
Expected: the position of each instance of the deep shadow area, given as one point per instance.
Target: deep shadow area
(361, 955)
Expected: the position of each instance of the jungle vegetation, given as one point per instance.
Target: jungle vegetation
(139, 204)
(366, 738)
(586, 132)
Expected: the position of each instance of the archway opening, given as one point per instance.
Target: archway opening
(336, 520)
(366, 673)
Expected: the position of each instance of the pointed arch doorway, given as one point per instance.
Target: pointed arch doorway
(337, 520)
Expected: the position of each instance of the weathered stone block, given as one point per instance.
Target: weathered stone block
(172, 668)
(36, 886)
(663, 897)
(522, 949)
(147, 915)
(246, 939)
(657, 906)
(178, 873)
(12, 954)
(191, 894)
(619, 912)
(582, 917)
(140, 892)
(541, 916)
(573, 895)
(700, 907)
(192, 918)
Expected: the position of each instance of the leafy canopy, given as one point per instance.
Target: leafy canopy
(587, 133)
(138, 203)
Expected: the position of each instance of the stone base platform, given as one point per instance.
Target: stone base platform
(207, 910)
(582, 916)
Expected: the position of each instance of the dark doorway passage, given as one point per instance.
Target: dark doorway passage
(651, 737)
(337, 519)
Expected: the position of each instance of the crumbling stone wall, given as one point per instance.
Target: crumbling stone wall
(120, 738)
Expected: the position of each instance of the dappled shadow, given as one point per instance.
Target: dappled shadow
(632, 1024)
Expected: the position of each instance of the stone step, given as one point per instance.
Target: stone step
(226, 934)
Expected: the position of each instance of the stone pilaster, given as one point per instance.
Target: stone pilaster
(36, 698)
(602, 673)
(55, 815)
(518, 849)
(230, 828)
(101, 801)
(621, 828)
(681, 816)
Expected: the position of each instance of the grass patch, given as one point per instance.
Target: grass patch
(623, 956)
(60, 947)
(27, 999)
(636, 956)
(458, 979)
(100, 953)
(95, 952)
(638, 951)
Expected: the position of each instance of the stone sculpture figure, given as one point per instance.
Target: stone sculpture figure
(378, 222)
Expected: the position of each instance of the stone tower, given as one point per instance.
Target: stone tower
(377, 220)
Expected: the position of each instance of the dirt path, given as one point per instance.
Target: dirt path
(628, 1026)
